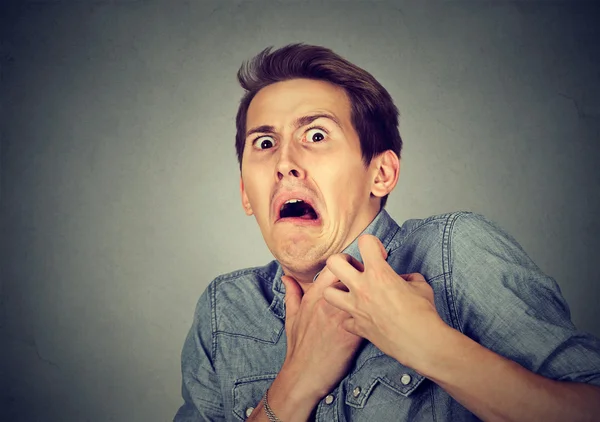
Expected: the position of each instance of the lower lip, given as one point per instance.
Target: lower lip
(297, 221)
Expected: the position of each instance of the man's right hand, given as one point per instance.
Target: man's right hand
(319, 350)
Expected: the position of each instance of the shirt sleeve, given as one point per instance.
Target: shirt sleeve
(501, 299)
(200, 385)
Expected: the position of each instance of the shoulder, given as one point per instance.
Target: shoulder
(253, 276)
(243, 285)
(429, 228)
(434, 245)
(420, 245)
(445, 225)
(240, 300)
(457, 230)
(472, 237)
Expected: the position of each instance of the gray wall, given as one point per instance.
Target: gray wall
(120, 186)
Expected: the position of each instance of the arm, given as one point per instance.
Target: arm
(498, 389)
(200, 385)
(318, 355)
(498, 300)
(286, 402)
(504, 302)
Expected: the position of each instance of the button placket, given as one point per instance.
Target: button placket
(327, 408)
(374, 372)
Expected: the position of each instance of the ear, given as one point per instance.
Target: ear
(245, 202)
(387, 169)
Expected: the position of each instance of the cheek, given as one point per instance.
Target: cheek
(342, 186)
(257, 189)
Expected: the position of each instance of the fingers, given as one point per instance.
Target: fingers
(356, 264)
(349, 324)
(349, 265)
(413, 277)
(418, 282)
(344, 267)
(293, 296)
(340, 286)
(338, 298)
(371, 250)
(325, 278)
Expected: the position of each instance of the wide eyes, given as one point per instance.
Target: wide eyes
(312, 135)
(264, 142)
(315, 135)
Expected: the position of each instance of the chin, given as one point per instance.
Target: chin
(300, 257)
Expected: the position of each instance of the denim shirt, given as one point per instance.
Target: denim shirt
(484, 284)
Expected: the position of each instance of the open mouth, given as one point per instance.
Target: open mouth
(297, 208)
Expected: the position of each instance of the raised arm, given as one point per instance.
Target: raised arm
(318, 355)
(503, 306)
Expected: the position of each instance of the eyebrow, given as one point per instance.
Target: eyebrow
(299, 122)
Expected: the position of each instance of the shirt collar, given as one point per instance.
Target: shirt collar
(383, 227)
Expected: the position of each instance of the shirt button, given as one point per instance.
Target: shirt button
(329, 399)
(356, 392)
(249, 411)
(405, 379)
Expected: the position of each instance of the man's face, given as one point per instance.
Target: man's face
(300, 144)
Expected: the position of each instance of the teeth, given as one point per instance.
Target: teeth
(291, 201)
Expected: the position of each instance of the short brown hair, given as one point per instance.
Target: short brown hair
(373, 113)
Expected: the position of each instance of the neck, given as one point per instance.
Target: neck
(305, 278)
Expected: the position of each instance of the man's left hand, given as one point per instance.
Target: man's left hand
(394, 312)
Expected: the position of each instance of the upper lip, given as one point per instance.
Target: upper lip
(286, 195)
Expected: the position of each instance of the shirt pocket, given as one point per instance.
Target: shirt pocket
(248, 392)
(382, 387)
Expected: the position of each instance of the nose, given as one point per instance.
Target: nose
(288, 164)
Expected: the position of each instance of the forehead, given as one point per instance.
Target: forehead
(290, 99)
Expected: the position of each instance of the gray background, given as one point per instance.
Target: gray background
(120, 186)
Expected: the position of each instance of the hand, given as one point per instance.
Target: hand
(394, 312)
(319, 350)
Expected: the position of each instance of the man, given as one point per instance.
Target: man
(358, 318)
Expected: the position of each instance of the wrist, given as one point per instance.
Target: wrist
(289, 399)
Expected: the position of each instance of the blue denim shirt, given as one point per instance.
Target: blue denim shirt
(484, 285)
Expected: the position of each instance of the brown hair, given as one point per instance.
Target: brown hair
(373, 113)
